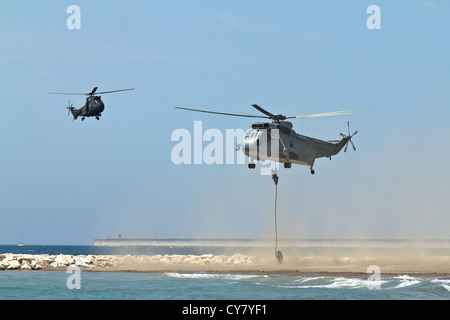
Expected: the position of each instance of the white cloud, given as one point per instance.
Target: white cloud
(229, 19)
(430, 5)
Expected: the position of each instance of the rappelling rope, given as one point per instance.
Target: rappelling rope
(278, 254)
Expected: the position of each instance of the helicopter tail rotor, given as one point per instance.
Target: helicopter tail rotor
(70, 107)
(349, 137)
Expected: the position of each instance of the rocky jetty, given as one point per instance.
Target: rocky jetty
(10, 261)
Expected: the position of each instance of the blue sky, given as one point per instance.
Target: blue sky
(68, 182)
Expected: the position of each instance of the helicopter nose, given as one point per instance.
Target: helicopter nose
(250, 147)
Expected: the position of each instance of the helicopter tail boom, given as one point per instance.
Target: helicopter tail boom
(75, 112)
(341, 144)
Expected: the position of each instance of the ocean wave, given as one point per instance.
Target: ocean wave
(327, 283)
(346, 283)
(225, 276)
(406, 277)
(406, 281)
(391, 284)
(446, 286)
(445, 283)
(309, 279)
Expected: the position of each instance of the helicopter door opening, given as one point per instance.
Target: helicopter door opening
(260, 145)
(264, 147)
(273, 144)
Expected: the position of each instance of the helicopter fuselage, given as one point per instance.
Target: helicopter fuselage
(93, 107)
(279, 142)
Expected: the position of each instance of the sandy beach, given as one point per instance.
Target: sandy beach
(324, 256)
(347, 264)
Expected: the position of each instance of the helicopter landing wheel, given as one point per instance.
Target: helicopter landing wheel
(252, 165)
(98, 118)
(82, 118)
(287, 164)
(312, 171)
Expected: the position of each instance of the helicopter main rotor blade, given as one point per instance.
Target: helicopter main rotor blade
(89, 93)
(271, 116)
(250, 114)
(327, 114)
(223, 113)
(81, 94)
(276, 117)
(114, 91)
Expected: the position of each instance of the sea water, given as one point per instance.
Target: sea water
(55, 285)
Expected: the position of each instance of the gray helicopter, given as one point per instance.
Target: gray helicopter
(93, 107)
(264, 138)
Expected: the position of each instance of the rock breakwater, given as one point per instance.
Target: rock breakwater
(10, 261)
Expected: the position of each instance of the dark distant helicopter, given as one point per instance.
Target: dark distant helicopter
(292, 147)
(93, 107)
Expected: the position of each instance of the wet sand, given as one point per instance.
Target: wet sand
(422, 265)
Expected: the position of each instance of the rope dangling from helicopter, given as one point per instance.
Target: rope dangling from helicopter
(278, 253)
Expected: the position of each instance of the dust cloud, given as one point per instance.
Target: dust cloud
(387, 194)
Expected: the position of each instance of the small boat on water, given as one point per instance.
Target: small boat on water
(20, 244)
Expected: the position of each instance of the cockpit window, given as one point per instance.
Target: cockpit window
(250, 134)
